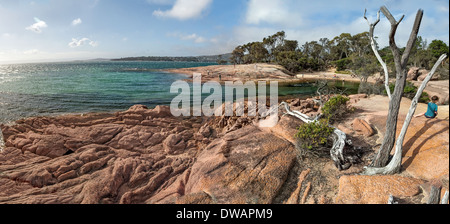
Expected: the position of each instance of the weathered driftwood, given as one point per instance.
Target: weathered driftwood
(434, 196)
(391, 200)
(2, 143)
(445, 198)
(375, 50)
(319, 93)
(394, 165)
(339, 137)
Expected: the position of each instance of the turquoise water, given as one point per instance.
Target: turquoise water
(80, 87)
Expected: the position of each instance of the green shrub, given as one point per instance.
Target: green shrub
(425, 98)
(315, 134)
(335, 108)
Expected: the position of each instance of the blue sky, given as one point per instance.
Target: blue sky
(58, 30)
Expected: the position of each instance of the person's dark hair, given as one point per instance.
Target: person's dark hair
(435, 98)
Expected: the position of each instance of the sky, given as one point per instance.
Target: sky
(62, 30)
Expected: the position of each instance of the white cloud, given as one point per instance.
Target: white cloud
(276, 12)
(76, 22)
(93, 43)
(184, 9)
(78, 43)
(192, 37)
(32, 51)
(443, 9)
(195, 37)
(37, 27)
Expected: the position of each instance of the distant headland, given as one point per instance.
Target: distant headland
(220, 59)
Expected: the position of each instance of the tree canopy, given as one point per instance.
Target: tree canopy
(345, 52)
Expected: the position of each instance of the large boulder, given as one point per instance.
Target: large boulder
(245, 166)
(423, 73)
(362, 127)
(413, 74)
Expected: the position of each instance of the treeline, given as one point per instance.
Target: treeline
(345, 52)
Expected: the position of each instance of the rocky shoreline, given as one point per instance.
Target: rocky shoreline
(271, 72)
(261, 72)
(148, 156)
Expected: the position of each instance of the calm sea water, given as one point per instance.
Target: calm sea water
(49, 89)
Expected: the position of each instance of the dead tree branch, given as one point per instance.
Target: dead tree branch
(412, 38)
(394, 27)
(377, 54)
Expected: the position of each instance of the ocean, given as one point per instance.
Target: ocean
(49, 89)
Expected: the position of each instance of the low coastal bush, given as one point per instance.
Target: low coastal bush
(335, 108)
(314, 135)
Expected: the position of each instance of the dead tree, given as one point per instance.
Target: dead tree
(394, 165)
(375, 51)
(401, 61)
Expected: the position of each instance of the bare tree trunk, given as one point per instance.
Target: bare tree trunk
(382, 157)
(375, 51)
(394, 165)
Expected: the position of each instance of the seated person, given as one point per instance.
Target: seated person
(432, 111)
